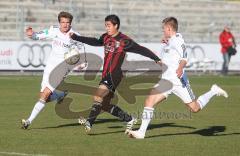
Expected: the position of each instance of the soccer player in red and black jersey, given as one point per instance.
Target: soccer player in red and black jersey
(116, 44)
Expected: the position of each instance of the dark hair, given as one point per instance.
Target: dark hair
(172, 21)
(114, 19)
(65, 15)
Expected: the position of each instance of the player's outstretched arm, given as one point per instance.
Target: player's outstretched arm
(136, 48)
(44, 34)
(88, 40)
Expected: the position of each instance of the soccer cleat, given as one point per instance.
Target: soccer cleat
(136, 134)
(130, 124)
(219, 91)
(85, 123)
(87, 126)
(25, 124)
(81, 120)
(60, 98)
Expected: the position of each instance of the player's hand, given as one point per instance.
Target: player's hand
(29, 32)
(70, 34)
(159, 62)
(82, 66)
(164, 40)
(179, 72)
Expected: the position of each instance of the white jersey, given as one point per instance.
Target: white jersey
(60, 42)
(171, 55)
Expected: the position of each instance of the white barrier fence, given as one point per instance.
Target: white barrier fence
(33, 55)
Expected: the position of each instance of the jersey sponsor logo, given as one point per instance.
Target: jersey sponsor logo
(110, 47)
(166, 50)
(33, 55)
(60, 44)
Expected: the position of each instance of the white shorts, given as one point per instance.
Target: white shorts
(54, 73)
(184, 92)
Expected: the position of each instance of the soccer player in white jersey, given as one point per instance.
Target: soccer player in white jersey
(174, 56)
(60, 44)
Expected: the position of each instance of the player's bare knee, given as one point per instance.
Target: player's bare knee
(97, 98)
(194, 107)
(42, 98)
(45, 94)
(195, 110)
(147, 101)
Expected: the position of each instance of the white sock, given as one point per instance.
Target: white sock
(36, 110)
(55, 95)
(146, 118)
(204, 99)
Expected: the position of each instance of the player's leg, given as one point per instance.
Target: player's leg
(102, 101)
(124, 116)
(115, 111)
(57, 95)
(160, 92)
(185, 92)
(56, 75)
(153, 98)
(105, 86)
(204, 99)
(44, 95)
(100, 93)
(113, 80)
(118, 112)
(37, 108)
(47, 93)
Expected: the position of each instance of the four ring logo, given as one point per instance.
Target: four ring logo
(34, 55)
(196, 55)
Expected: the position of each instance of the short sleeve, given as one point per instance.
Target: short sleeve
(180, 47)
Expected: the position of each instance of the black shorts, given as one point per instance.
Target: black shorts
(111, 81)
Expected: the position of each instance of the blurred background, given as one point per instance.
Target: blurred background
(200, 22)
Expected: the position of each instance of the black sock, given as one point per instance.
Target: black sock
(95, 111)
(118, 112)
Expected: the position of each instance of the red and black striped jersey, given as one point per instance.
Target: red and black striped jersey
(115, 49)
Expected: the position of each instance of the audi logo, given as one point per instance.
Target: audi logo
(34, 55)
(195, 54)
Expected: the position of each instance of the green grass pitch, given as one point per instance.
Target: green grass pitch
(174, 131)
